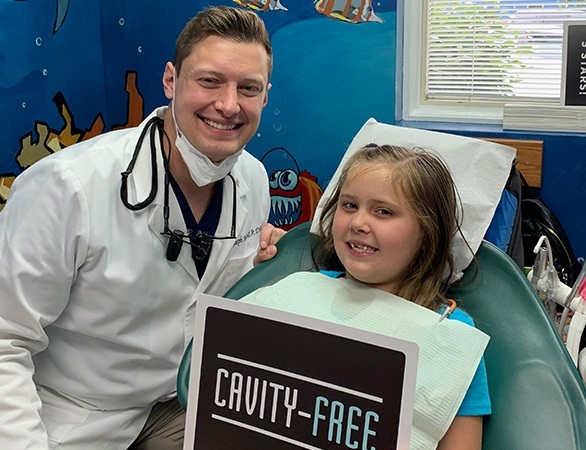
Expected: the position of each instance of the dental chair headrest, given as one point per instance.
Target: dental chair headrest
(479, 168)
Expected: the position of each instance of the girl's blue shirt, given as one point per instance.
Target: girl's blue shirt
(476, 401)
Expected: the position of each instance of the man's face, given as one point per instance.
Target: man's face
(219, 95)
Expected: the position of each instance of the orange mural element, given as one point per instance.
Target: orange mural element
(294, 192)
(135, 105)
(311, 195)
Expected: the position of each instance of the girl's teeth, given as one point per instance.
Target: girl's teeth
(361, 248)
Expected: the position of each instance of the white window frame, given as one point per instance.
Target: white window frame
(414, 108)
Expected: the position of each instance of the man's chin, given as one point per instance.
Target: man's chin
(217, 155)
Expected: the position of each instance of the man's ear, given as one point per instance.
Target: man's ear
(169, 80)
(266, 99)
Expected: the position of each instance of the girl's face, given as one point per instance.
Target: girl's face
(376, 235)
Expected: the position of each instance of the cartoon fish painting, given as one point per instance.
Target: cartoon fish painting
(261, 5)
(294, 193)
(353, 11)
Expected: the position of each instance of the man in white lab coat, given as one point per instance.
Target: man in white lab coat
(99, 274)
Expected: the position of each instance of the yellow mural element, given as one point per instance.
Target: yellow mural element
(51, 141)
(261, 5)
(5, 184)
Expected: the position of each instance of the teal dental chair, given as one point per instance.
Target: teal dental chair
(538, 397)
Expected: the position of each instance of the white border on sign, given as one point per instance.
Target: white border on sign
(205, 301)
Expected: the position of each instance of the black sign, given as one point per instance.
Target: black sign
(574, 64)
(264, 379)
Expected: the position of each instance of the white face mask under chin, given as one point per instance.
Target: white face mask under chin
(202, 169)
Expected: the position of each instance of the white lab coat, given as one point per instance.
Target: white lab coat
(88, 300)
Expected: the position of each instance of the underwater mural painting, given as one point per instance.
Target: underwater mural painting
(294, 193)
(44, 140)
(76, 69)
(353, 11)
(261, 5)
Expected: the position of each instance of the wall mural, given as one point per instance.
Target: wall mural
(353, 11)
(43, 140)
(321, 92)
(62, 8)
(294, 193)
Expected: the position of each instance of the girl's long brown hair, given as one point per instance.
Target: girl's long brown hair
(427, 187)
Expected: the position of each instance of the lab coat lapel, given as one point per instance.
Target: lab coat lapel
(221, 248)
(176, 222)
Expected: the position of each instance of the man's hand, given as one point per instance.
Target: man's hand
(269, 236)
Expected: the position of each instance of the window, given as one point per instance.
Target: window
(463, 60)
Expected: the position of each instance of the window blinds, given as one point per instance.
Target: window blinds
(496, 50)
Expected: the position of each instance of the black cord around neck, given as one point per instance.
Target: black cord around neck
(151, 126)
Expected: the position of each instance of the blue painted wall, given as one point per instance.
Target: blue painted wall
(330, 76)
(37, 61)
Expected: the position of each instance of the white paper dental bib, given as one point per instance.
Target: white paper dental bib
(449, 351)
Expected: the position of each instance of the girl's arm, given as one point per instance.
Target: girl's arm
(465, 433)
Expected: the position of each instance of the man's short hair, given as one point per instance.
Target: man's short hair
(236, 24)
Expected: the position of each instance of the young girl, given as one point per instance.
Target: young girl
(390, 224)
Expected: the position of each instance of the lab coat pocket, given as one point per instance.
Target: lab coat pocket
(235, 269)
(60, 416)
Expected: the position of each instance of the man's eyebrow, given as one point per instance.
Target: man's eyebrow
(254, 80)
(214, 73)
